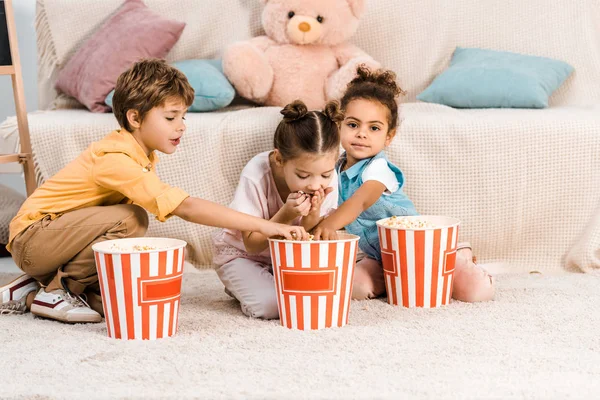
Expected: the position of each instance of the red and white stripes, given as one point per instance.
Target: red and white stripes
(314, 281)
(140, 292)
(419, 264)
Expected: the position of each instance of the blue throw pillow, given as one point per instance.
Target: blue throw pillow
(479, 78)
(212, 89)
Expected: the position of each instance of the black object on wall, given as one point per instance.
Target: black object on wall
(5, 58)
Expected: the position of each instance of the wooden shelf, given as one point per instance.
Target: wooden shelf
(9, 158)
(7, 70)
(24, 156)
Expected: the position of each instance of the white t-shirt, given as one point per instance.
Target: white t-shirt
(379, 170)
(257, 195)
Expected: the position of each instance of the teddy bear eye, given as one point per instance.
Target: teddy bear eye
(291, 14)
(320, 19)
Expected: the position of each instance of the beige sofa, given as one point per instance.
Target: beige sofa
(525, 183)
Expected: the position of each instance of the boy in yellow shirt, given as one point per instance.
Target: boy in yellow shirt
(104, 194)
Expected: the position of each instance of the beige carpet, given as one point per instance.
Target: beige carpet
(539, 340)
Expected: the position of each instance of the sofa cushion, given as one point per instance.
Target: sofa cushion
(508, 174)
(132, 33)
(480, 78)
(415, 39)
(10, 202)
(212, 90)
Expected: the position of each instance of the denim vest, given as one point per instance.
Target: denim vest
(365, 225)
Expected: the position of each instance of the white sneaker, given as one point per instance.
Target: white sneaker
(63, 306)
(13, 295)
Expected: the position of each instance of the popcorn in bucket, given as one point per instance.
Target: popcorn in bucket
(418, 255)
(140, 280)
(313, 281)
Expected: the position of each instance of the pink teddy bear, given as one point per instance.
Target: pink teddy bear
(305, 54)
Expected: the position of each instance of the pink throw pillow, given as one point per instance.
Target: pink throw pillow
(132, 33)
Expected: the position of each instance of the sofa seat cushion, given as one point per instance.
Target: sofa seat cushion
(524, 183)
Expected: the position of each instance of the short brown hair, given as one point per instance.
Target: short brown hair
(148, 84)
(303, 131)
(378, 86)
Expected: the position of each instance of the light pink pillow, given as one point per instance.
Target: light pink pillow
(132, 33)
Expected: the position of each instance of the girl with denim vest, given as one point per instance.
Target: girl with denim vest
(370, 187)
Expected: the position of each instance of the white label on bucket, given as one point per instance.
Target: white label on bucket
(137, 310)
(444, 248)
(307, 311)
(181, 260)
(349, 277)
(396, 277)
(120, 294)
(176, 316)
(166, 316)
(293, 312)
(323, 263)
(322, 311)
(410, 273)
(170, 256)
(305, 258)
(276, 259)
(153, 310)
(339, 257)
(153, 321)
(106, 297)
(428, 270)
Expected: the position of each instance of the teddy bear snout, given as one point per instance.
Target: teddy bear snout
(302, 29)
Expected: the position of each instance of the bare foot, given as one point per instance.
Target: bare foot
(471, 282)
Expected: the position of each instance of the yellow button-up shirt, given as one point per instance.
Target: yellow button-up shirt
(115, 170)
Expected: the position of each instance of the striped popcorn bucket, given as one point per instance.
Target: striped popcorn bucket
(140, 281)
(314, 281)
(418, 263)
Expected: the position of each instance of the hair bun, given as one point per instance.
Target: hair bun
(334, 112)
(294, 111)
(380, 77)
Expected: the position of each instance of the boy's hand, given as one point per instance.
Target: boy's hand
(317, 200)
(290, 232)
(324, 232)
(298, 204)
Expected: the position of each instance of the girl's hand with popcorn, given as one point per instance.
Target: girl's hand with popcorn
(317, 200)
(324, 231)
(296, 205)
(313, 217)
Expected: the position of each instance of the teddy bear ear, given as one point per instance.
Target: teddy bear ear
(357, 7)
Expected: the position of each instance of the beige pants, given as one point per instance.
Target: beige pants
(59, 253)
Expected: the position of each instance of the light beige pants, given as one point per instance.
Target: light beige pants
(58, 253)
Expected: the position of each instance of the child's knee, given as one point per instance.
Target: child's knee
(362, 290)
(137, 222)
(365, 287)
(252, 285)
(368, 280)
(264, 308)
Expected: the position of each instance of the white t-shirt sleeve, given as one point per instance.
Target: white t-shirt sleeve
(249, 198)
(379, 171)
(331, 201)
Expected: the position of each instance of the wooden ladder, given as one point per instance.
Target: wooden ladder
(14, 70)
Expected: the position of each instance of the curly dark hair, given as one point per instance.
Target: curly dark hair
(378, 86)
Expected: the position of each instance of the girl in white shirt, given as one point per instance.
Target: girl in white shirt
(293, 184)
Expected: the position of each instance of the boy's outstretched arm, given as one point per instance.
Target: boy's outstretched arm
(362, 199)
(255, 242)
(206, 212)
